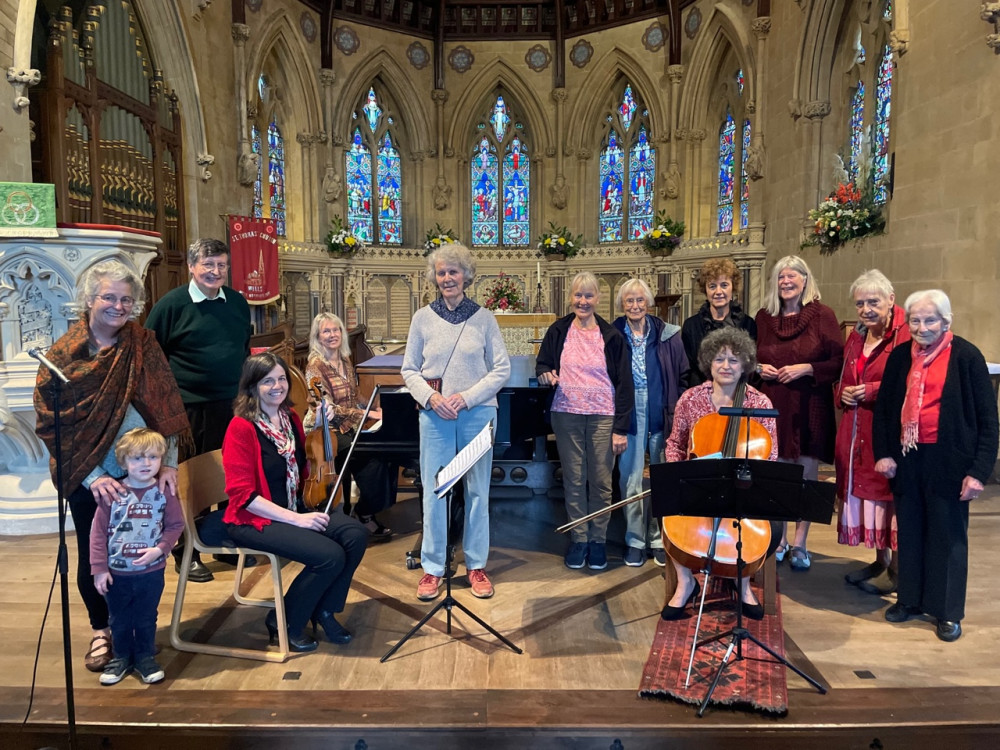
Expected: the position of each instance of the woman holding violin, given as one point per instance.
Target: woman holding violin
(728, 355)
(264, 458)
(330, 364)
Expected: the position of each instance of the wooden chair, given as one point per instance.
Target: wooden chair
(201, 483)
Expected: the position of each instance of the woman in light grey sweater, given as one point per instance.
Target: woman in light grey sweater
(456, 345)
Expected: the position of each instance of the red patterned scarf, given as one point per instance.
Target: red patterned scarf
(283, 438)
(133, 371)
(916, 383)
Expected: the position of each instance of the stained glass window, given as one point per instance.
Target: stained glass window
(727, 171)
(880, 146)
(744, 180)
(857, 131)
(258, 192)
(627, 172)
(276, 176)
(500, 176)
(374, 190)
(740, 81)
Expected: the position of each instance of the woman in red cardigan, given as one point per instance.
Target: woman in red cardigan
(867, 513)
(265, 463)
(800, 350)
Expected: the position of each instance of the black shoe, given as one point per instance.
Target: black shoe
(377, 533)
(198, 573)
(234, 560)
(949, 631)
(753, 611)
(900, 612)
(872, 570)
(675, 613)
(882, 585)
(298, 644)
(334, 631)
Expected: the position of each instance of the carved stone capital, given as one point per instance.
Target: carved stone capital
(990, 12)
(993, 42)
(337, 140)
(899, 41)
(691, 134)
(311, 139)
(241, 33)
(205, 161)
(449, 152)
(559, 95)
(439, 96)
(751, 107)
(795, 108)
(675, 74)
(550, 152)
(21, 79)
(816, 110)
(583, 154)
(327, 77)
(761, 26)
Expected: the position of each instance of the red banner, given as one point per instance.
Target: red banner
(253, 252)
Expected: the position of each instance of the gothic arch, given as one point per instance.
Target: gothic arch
(724, 31)
(817, 51)
(414, 118)
(590, 110)
(467, 107)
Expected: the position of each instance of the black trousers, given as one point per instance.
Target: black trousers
(82, 507)
(209, 421)
(330, 559)
(933, 529)
(376, 483)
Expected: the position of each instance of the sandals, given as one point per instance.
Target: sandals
(779, 553)
(99, 655)
(799, 558)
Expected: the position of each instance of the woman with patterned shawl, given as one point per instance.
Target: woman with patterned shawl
(119, 379)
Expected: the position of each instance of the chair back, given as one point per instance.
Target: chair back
(298, 391)
(201, 483)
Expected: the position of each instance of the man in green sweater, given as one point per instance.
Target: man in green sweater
(204, 329)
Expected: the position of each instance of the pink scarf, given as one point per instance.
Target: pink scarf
(284, 441)
(916, 381)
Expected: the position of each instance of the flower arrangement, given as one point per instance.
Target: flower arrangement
(341, 240)
(437, 237)
(664, 236)
(844, 215)
(559, 241)
(504, 295)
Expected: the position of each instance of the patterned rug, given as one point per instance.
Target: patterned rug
(757, 681)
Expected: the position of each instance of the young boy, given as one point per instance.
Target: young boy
(132, 536)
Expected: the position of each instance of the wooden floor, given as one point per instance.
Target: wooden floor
(585, 635)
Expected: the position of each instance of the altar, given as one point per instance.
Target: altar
(519, 330)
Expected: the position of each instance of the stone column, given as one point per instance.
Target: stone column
(812, 188)
(559, 190)
(671, 179)
(693, 160)
(310, 209)
(754, 159)
(441, 193)
(247, 162)
(333, 181)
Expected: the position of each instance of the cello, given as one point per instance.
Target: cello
(321, 450)
(709, 544)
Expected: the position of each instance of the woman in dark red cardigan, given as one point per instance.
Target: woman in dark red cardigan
(265, 462)
(800, 350)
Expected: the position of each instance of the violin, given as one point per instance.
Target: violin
(321, 450)
(710, 543)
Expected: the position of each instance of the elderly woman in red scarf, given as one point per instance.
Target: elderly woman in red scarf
(935, 435)
(119, 380)
(867, 515)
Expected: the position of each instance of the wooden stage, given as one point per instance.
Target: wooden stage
(586, 636)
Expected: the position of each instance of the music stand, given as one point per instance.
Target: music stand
(740, 488)
(445, 480)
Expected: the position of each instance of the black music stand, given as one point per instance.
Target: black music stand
(740, 488)
(449, 601)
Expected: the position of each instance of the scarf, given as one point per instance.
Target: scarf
(916, 381)
(341, 392)
(284, 440)
(465, 310)
(92, 407)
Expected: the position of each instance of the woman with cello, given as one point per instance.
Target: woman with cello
(330, 364)
(264, 458)
(728, 355)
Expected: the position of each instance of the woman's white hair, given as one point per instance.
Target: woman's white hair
(772, 301)
(110, 270)
(456, 254)
(630, 287)
(873, 281)
(936, 297)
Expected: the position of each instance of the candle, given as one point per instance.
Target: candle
(538, 272)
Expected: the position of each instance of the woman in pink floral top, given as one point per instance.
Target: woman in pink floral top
(728, 354)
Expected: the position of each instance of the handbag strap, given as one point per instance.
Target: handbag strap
(454, 346)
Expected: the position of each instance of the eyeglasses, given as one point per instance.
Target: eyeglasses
(636, 301)
(214, 267)
(112, 300)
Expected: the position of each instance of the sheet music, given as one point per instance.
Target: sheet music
(466, 458)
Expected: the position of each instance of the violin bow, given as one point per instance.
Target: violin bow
(350, 451)
(597, 513)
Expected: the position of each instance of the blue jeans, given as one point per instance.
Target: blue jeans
(132, 603)
(584, 443)
(640, 527)
(440, 441)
